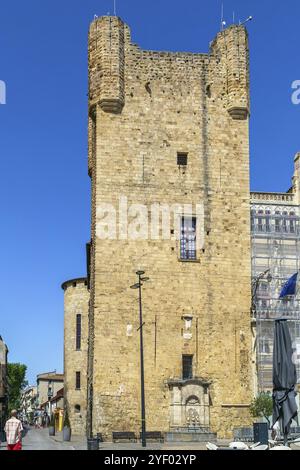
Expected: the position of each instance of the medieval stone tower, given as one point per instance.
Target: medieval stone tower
(76, 309)
(170, 128)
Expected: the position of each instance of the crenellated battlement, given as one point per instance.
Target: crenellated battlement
(232, 50)
(106, 63)
(110, 48)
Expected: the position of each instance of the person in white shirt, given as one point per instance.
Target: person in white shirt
(13, 429)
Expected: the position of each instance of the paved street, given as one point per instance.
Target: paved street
(38, 439)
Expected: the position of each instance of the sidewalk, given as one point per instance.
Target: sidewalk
(39, 439)
(76, 443)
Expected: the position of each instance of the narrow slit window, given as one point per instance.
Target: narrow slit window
(78, 381)
(78, 332)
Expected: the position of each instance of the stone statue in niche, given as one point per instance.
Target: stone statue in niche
(129, 331)
(187, 332)
(192, 413)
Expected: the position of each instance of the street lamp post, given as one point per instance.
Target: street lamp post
(50, 395)
(143, 410)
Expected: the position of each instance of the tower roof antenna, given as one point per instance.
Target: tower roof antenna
(115, 7)
(250, 18)
(223, 23)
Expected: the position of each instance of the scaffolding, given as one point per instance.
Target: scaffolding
(275, 250)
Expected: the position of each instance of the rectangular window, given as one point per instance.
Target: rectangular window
(182, 159)
(188, 232)
(292, 226)
(277, 225)
(260, 224)
(264, 346)
(78, 381)
(187, 367)
(78, 332)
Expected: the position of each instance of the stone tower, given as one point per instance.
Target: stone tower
(76, 308)
(172, 129)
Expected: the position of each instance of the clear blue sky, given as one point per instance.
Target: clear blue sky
(45, 198)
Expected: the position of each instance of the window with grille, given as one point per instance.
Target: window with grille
(187, 367)
(78, 332)
(78, 381)
(188, 238)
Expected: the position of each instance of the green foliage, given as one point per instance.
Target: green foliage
(262, 406)
(66, 419)
(16, 383)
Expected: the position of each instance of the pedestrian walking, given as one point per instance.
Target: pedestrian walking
(13, 429)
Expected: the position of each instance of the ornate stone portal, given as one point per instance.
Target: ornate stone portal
(189, 406)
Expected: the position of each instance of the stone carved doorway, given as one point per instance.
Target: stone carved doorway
(189, 404)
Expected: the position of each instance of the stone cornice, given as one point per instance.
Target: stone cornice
(276, 197)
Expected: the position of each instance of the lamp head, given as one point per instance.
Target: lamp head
(250, 18)
(135, 286)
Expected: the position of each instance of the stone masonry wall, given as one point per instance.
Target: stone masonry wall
(173, 102)
(43, 389)
(76, 303)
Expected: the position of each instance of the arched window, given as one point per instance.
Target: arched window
(268, 220)
(277, 221)
(77, 408)
(260, 220)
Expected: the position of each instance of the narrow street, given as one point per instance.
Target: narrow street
(39, 439)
